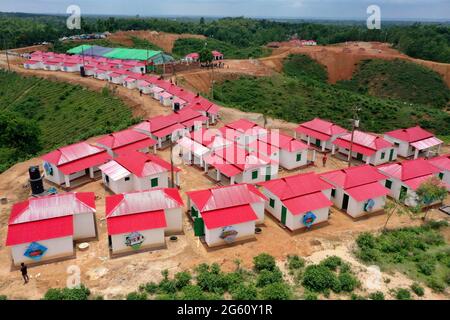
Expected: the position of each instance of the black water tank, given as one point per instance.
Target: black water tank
(37, 186)
(176, 106)
(82, 72)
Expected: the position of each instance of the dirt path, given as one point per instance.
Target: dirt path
(113, 278)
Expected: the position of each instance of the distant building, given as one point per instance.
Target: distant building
(320, 133)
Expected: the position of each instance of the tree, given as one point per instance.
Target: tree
(206, 56)
(264, 261)
(430, 191)
(392, 207)
(244, 292)
(276, 291)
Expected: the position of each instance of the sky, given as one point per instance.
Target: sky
(335, 9)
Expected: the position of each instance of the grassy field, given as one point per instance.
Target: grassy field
(401, 80)
(64, 113)
(183, 47)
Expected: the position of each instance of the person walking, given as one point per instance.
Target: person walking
(24, 271)
(324, 160)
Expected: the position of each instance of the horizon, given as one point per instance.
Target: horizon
(337, 10)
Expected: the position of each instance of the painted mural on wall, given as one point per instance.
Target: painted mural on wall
(35, 251)
(134, 240)
(228, 234)
(48, 169)
(368, 206)
(308, 219)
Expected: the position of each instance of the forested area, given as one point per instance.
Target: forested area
(426, 41)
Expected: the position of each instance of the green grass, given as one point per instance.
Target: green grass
(139, 43)
(401, 80)
(182, 47)
(300, 65)
(419, 252)
(299, 100)
(65, 113)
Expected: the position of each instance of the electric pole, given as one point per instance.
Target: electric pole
(355, 124)
(6, 53)
(171, 165)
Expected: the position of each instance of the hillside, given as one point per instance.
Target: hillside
(300, 65)
(183, 47)
(399, 79)
(58, 113)
(298, 100)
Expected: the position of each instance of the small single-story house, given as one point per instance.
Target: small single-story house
(144, 86)
(210, 138)
(165, 98)
(90, 70)
(298, 201)
(367, 148)
(33, 64)
(139, 220)
(414, 141)
(165, 129)
(192, 120)
(443, 163)
(206, 108)
(155, 92)
(70, 67)
(192, 57)
(68, 163)
(243, 131)
(217, 55)
(118, 76)
(102, 73)
(136, 171)
(52, 65)
(234, 164)
(191, 151)
(320, 133)
(404, 178)
(357, 190)
(130, 82)
(288, 151)
(125, 141)
(228, 214)
(134, 66)
(44, 229)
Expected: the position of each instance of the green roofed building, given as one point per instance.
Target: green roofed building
(157, 57)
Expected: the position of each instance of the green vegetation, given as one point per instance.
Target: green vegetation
(401, 80)
(426, 41)
(299, 100)
(39, 115)
(403, 294)
(419, 252)
(376, 295)
(417, 289)
(81, 293)
(182, 47)
(3, 297)
(300, 65)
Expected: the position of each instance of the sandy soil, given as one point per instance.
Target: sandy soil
(115, 277)
(161, 39)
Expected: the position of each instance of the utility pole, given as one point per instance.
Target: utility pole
(355, 124)
(6, 53)
(171, 165)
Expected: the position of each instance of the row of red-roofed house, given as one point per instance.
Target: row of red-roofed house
(131, 75)
(43, 229)
(368, 147)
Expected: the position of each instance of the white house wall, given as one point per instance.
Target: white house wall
(404, 149)
(56, 248)
(83, 226)
(152, 238)
(258, 207)
(245, 230)
(356, 209)
(289, 161)
(174, 220)
(295, 222)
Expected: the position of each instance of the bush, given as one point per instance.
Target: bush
(332, 262)
(310, 296)
(319, 278)
(276, 291)
(137, 296)
(403, 294)
(182, 279)
(417, 289)
(81, 293)
(149, 287)
(355, 296)
(295, 262)
(266, 277)
(436, 284)
(192, 292)
(426, 267)
(264, 261)
(211, 279)
(244, 292)
(348, 282)
(376, 295)
(233, 279)
(167, 286)
(3, 297)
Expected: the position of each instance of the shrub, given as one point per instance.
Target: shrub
(403, 294)
(276, 291)
(332, 262)
(3, 297)
(137, 296)
(81, 293)
(149, 287)
(266, 277)
(211, 279)
(436, 284)
(417, 289)
(348, 282)
(376, 295)
(192, 292)
(264, 261)
(167, 286)
(319, 278)
(233, 279)
(182, 279)
(244, 292)
(355, 296)
(295, 262)
(426, 267)
(308, 295)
